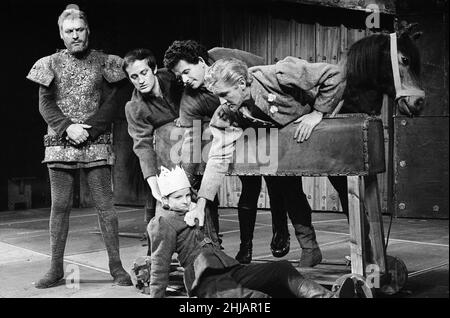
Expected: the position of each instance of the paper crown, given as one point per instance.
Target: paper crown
(173, 180)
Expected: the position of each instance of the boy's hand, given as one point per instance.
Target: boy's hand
(198, 213)
(307, 123)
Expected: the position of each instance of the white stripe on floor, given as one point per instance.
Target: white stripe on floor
(236, 221)
(394, 240)
(426, 270)
(422, 243)
(65, 260)
(71, 217)
(298, 249)
(314, 222)
(237, 231)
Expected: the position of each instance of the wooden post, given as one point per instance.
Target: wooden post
(356, 217)
(373, 208)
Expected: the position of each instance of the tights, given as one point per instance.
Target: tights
(62, 185)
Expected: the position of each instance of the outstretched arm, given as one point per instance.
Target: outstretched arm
(326, 78)
(141, 131)
(220, 155)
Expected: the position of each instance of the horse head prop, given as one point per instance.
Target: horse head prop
(405, 62)
(384, 64)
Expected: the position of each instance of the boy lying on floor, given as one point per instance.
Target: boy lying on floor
(208, 271)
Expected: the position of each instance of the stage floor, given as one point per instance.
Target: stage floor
(423, 245)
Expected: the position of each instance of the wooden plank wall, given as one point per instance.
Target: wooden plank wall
(275, 36)
(420, 160)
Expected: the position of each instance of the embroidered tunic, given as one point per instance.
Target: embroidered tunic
(77, 90)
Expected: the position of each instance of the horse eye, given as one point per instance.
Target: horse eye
(405, 61)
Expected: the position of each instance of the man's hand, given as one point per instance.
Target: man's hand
(306, 125)
(177, 122)
(197, 213)
(77, 133)
(154, 187)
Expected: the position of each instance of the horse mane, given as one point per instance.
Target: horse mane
(364, 60)
(369, 72)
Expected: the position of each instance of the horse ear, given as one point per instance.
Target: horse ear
(403, 27)
(410, 27)
(397, 26)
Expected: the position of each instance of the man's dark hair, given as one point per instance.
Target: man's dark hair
(139, 55)
(188, 50)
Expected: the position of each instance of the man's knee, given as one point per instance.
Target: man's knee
(250, 293)
(59, 206)
(105, 206)
(246, 205)
(61, 203)
(148, 229)
(284, 266)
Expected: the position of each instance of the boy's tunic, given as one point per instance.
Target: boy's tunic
(198, 251)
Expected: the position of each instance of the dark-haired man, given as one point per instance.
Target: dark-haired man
(292, 90)
(190, 60)
(155, 102)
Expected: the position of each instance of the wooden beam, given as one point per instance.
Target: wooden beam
(356, 218)
(373, 208)
(385, 6)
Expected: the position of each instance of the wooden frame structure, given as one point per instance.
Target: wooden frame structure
(362, 161)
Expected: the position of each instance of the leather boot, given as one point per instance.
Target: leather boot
(59, 228)
(280, 243)
(247, 218)
(109, 226)
(311, 254)
(311, 289)
(149, 214)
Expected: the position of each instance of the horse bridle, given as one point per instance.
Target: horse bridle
(399, 91)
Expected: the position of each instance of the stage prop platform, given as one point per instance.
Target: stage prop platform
(345, 145)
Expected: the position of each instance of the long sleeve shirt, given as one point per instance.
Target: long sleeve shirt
(285, 91)
(145, 113)
(200, 104)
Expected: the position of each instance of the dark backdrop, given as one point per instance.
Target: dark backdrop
(30, 32)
